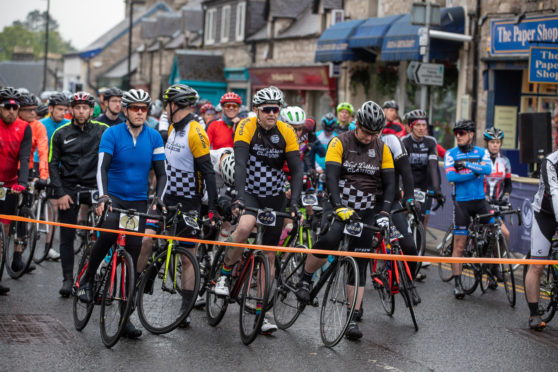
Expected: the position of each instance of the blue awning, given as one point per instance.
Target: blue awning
(401, 42)
(333, 43)
(371, 33)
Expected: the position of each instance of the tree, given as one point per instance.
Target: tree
(36, 22)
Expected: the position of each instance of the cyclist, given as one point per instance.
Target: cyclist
(393, 126)
(73, 161)
(28, 104)
(325, 136)
(221, 132)
(359, 171)
(466, 166)
(345, 112)
(261, 146)
(545, 226)
(126, 154)
(15, 147)
(208, 114)
(112, 99)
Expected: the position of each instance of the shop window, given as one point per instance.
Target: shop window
(536, 97)
(225, 23)
(210, 26)
(240, 21)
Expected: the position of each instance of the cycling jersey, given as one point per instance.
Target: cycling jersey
(469, 183)
(127, 176)
(267, 152)
(423, 156)
(546, 198)
(338, 128)
(220, 134)
(50, 126)
(360, 182)
(74, 156)
(15, 147)
(324, 137)
(498, 182)
(401, 164)
(394, 127)
(40, 144)
(103, 118)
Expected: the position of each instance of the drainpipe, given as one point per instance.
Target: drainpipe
(475, 46)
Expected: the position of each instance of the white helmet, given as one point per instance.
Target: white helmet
(269, 95)
(293, 115)
(136, 96)
(227, 169)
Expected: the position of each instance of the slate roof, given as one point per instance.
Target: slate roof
(26, 74)
(306, 23)
(288, 8)
(200, 65)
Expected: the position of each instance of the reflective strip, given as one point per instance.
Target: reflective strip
(159, 150)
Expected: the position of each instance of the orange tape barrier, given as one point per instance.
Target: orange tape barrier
(389, 257)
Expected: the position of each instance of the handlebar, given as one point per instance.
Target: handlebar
(499, 213)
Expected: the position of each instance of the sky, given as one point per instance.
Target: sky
(80, 21)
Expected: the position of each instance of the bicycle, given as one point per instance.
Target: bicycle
(114, 282)
(548, 291)
(416, 220)
(445, 249)
(44, 211)
(162, 285)
(86, 236)
(337, 305)
(250, 282)
(392, 277)
(20, 235)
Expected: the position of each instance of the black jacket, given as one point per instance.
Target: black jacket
(73, 156)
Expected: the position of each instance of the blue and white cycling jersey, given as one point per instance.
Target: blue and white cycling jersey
(324, 138)
(469, 181)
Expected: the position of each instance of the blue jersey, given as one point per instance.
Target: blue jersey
(324, 139)
(469, 181)
(50, 126)
(128, 174)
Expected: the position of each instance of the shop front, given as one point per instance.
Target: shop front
(310, 87)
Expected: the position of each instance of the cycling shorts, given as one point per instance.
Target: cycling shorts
(544, 226)
(8, 206)
(277, 203)
(464, 211)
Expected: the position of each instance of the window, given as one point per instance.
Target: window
(240, 20)
(225, 23)
(210, 26)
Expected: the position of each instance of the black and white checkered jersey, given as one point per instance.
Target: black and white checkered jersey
(546, 198)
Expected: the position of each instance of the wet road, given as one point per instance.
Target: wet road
(479, 333)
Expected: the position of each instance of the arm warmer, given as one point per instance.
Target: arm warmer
(24, 153)
(161, 175)
(54, 165)
(205, 165)
(478, 168)
(241, 152)
(295, 168)
(455, 177)
(388, 186)
(102, 173)
(403, 167)
(434, 174)
(507, 185)
(333, 173)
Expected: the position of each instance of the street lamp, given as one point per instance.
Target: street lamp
(126, 84)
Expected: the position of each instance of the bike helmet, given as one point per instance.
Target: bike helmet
(136, 96)
(10, 94)
(269, 95)
(370, 116)
(82, 97)
(464, 124)
(391, 104)
(28, 99)
(411, 116)
(309, 125)
(206, 107)
(112, 92)
(218, 108)
(227, 169)
(231, 97)
(157, 108)
(181, 94)
(58, 99)
(492, 134)
(293, 115)
(328, 121)
(346, 106)
(41, 110)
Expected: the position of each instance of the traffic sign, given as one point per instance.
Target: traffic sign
(426, 73)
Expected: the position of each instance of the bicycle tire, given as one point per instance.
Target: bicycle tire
(419, 238)
(381, 283)
(3, 253)
(405, 291)
(204, 263)
(215, 306)
(548, 296)
(507, 272)
(27, 240)
(470, 272)
(117, 295)
(253, 295)
(81, 311)
(287, 309)
(160, 303)
(335, 295)
(445, 249)
(44, 208)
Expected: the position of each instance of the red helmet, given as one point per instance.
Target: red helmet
(231, 97)
(82, 97)
(207, 106)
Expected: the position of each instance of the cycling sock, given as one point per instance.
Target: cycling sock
(457, 279)
(259, 306)
(47, 246)
(226, 269)
(307, 277)
(533, 308)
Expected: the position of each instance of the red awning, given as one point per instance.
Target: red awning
(292, 78)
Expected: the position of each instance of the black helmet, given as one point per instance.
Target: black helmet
(136, 96)
(58, 99)
(28, 99)
(112, 92)
(82, 97)
(41, 110)
(181, 94)
(9, 93)
(493, 133)
(391, 104)
(371, 117)
(415, 115)
(464, 124)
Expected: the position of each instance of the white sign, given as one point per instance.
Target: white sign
(429, 74)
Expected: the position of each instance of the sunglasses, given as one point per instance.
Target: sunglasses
(231, 106)
(11, 107)
(460, 132)
(138, 108)
(270, 109)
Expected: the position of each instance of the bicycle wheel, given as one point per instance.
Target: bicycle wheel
(117, 299)
(506, 271)
(548, 295)
(286, 307)
(254, 296)
(23, 235)
(3, 255)
(215, 306)
(81, 311)
(164, 303)
(44, 212)
(405, 287)
(445, 249)
(470, 273)
(204, 263)
(419, 238)
(337, 308)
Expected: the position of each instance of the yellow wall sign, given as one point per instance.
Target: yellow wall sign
(505, 118)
